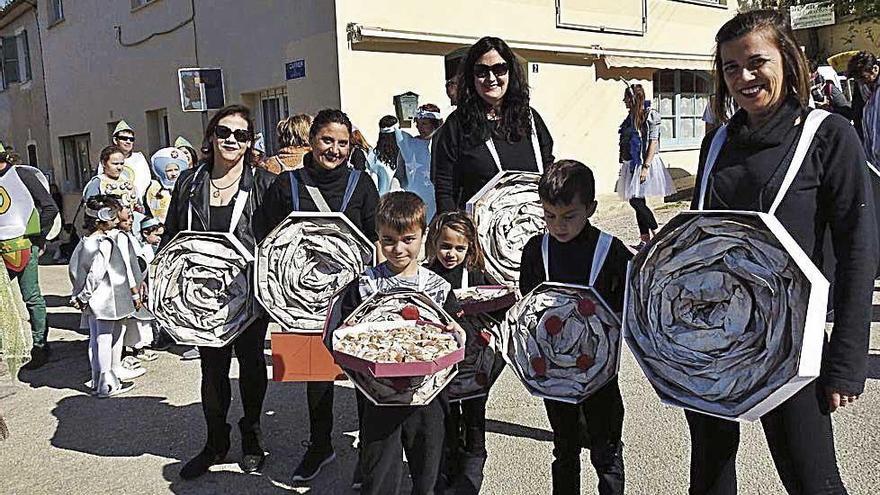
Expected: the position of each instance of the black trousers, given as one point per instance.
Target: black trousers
(644, 215)
(216, 389)
(387, 431)
(801, 442)
(320, 398)
(596, 423)
(466, 445)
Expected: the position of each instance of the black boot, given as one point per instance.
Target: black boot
(253, 456)
(214, 453)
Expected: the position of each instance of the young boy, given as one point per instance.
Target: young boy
(567, 191)
(386, 431)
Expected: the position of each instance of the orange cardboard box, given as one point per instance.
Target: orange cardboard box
(302, 358)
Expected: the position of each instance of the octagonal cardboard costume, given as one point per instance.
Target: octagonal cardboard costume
(306, 259)
(562, 341)
(394, 309)
(507, 212)
(725, 312)
(482, 363)
(201, 288)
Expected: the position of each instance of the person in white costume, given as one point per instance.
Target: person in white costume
(416, 154)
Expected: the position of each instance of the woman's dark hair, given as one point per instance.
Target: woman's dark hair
(386, 143)
(461, 223)
(515, 119)
(97, 203)
(208, 141)
(566, 180)
(860, 63)
(193, 153)
(796, 73)
(108, 151)
(326, 117)
(640, 114)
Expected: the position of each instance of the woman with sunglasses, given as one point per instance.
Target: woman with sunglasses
(493, 128)
(222, 194)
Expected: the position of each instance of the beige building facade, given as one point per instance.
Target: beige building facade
(106, 61)
(24, 118)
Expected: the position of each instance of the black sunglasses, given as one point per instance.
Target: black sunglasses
(129, 139)
(241, 135)
(482, 70)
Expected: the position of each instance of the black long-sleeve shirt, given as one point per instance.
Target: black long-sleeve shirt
(461, 165)
(361, 210)
(571, 263)
(43, 202)
(831, 190)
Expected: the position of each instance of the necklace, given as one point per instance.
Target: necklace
(217, 189)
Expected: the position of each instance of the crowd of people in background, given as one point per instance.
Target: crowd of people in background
(411, 186)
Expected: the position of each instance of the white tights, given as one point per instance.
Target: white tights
(105, 346)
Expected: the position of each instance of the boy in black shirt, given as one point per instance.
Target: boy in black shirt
(567, 191)
(387, 430)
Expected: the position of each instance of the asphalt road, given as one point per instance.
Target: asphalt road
(64, 441)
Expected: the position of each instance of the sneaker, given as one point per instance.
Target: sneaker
(124, 373)
(146, 355)
(312, 462)
(190, 354)
(115, 390)
(161, 342)
(39, 358)
(131, 363)
(200, 464)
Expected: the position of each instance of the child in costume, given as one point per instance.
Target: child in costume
(138, 329)
(167, 163)
(114, 178)
(567, 191)
(101, 290)
(454, 253)
(386, 432)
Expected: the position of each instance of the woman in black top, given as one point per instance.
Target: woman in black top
(493, 128)
(345, 190)
(765, 72)
(204, 199)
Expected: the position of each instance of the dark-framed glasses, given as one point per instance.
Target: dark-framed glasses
(241, 135)
(482, 70)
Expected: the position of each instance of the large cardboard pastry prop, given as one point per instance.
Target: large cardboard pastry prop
(725, 313)
(483, 362)
(306, 259)
(201, 289)
(562, 341)
(397, 352)
(507, 212)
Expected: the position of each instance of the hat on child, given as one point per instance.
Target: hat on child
(182, 141)
(122, 126)
(149, 222)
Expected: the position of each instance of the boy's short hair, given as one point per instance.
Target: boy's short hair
(401, 211)
(566, 180)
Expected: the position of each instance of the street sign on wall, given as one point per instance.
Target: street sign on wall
(295, 69)
(812, 15)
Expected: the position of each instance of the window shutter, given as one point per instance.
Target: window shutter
(25, 55)
(10, 60)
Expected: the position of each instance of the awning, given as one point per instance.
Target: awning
(618, 61)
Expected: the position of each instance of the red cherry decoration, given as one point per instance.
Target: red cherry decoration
(584, 362)
(586, 307)
(553, 325)
(484, 339)
(481, 379)
(540, 366)
(410, 313)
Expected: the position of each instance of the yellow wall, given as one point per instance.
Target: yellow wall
(580, 99)
(846, 36)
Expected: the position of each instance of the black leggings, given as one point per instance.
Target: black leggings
(644, 215)
(216, 389)
(801, 442)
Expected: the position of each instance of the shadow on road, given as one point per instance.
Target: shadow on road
(68, 367)
(514, 430)
(132, 426)
(874, 366)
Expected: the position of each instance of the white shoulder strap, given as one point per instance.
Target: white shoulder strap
(545, 255)
(536, 147)
(711, 158)
(811, 125)
(603, 245)
(465, 282)
(240, 202)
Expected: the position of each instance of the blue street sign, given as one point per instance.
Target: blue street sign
(295, 69)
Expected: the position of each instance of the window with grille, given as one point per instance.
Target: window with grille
(681, 97)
